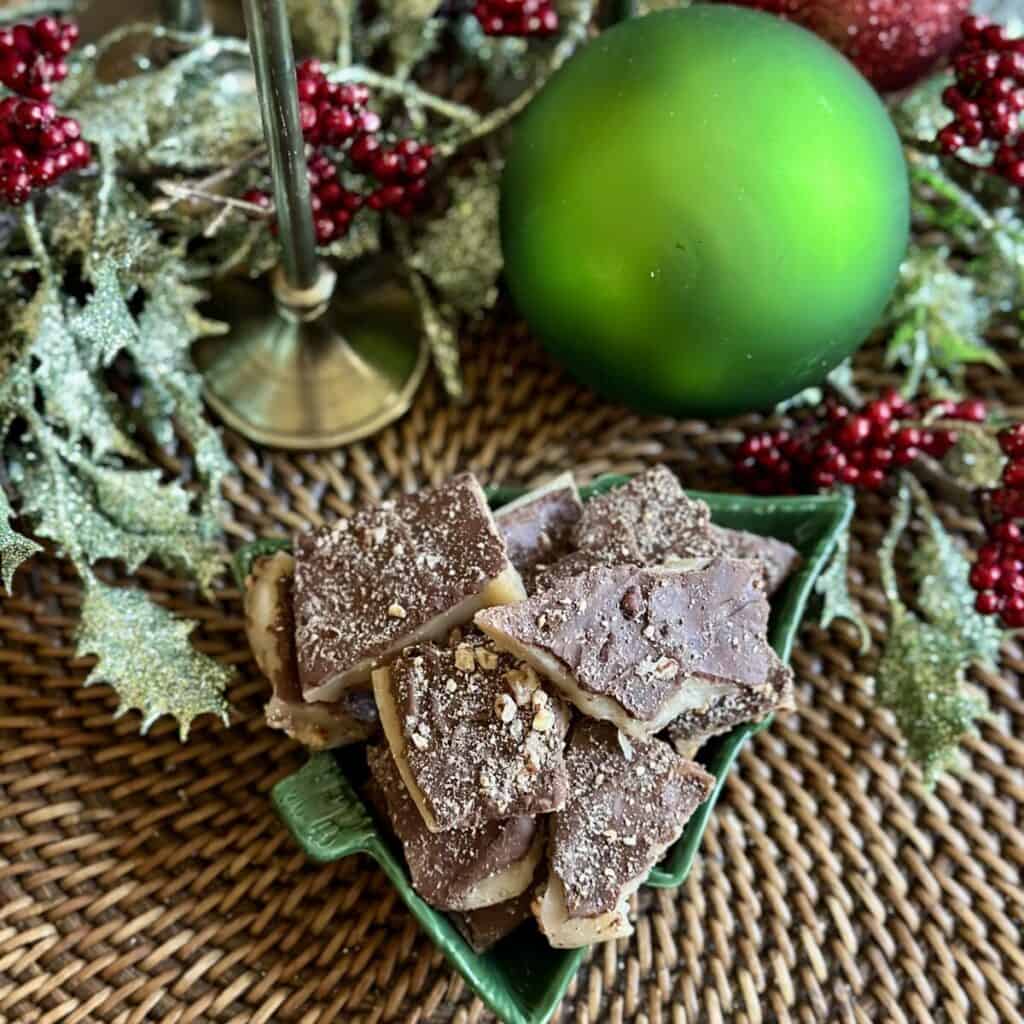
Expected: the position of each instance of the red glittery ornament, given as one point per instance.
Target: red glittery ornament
(893, 42)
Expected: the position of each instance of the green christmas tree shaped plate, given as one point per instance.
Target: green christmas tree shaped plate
(522, 979)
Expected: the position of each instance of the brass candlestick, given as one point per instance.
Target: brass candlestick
(308, 363)
(184, 15)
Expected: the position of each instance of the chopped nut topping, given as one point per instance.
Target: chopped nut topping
(378, 534)
(505, 707)
(464, 658)
(522, 682)
(451, 686)
(516, 728)
(543, 720)
(396, 611)
(487, 660)
(666, 668)
(419, 741)
(539, 700)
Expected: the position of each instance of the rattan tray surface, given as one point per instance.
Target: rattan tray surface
(145, 880)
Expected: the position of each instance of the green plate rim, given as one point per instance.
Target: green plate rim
(328, 820)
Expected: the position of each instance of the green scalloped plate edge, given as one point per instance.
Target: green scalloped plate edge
(329, 822)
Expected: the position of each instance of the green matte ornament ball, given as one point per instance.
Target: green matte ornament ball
(704, 211)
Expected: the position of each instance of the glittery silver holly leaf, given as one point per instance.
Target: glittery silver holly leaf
(218, 125)
(119, 514)
(14, 548)
(460, 251)
(72, 395)
(921, 677)
(976, 459)
(317, 25)
(937, 319)
(146, 655)
(104, 325)
(412, 31)
(833, 588)
(945, 596)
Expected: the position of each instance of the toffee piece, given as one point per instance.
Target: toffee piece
(401, 573)
(640, 647)
(538, 526)
(462, 869)
(628, 803)
(485, 928)
(646, 521)
(739, 704)
(270, 628)
(473, 733)
(780, 560)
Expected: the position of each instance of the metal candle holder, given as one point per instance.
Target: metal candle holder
(310, 363)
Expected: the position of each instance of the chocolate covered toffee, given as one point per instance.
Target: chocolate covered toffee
(628, 803)
(475, 736)
(394, 575)
(646, 521)
(462, 869)
(270, 628)
(538, 527)
(641, 647)
(645, 624)
(780, 560)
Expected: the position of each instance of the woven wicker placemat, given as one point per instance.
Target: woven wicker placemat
(145, 880)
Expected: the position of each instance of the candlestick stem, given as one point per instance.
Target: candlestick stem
(270, 41)
(183, 15)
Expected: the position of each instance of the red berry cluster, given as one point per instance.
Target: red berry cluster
(859, 448)
(32, 56)
(37, 146)
(998, 573)
(988, 98)
(516, 17)
(336, 117)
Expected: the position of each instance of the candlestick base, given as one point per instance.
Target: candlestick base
(313, 376)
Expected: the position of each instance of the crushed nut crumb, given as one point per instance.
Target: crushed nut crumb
(419, 741)
(505, 707)
(396, 611)
(486, 659)
(543, 720)
(464, 658)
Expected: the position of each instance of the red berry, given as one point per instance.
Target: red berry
(849, 474)
(369, 122)
(973, 410)
(1011, 440)
(989, 553)
(1006, 532)
(872, 479)
(988, 602)
(823, 479)
(386, 166)
(855, 430)
(984, 576)
(1013, 473)
(905, 456)
(324, 227)
(81, 153)
(1012, 612)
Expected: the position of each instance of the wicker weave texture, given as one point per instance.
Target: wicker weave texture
(145, 880)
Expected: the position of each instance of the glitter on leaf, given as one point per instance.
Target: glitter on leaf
(146, 655)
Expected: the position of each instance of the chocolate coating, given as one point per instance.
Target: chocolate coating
(364, 584)
(628, 802)
(646, 521)
(635, 635)
(740, 704)
(486, 927)
(780, 560)
(445, 866)
(475, 753)
(538, 528)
